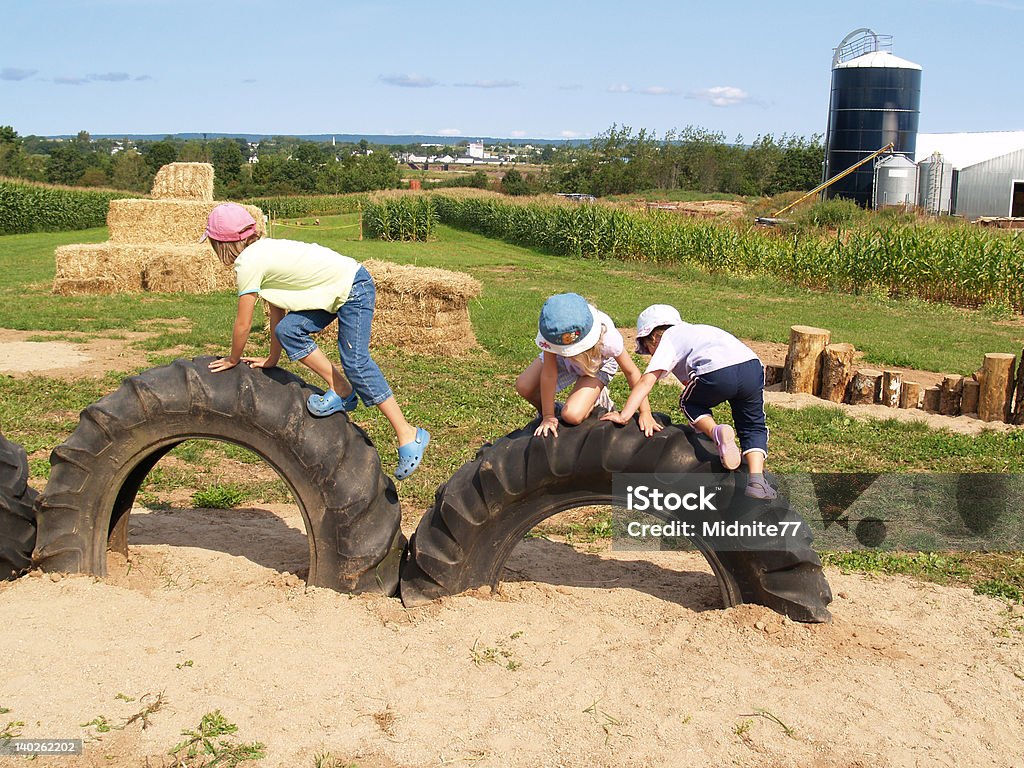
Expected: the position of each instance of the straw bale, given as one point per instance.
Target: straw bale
(423, 282)
(176, 222)
(184, 181)
(117, 268)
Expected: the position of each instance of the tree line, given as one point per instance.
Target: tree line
(618, 161)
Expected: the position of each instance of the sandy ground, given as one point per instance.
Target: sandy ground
(584, 658)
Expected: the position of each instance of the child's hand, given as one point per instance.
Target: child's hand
(549, 424)
(223, 364)
(648, 425)
(260, 362)
(614, 416)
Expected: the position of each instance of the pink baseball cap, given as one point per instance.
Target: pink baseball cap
(229, 223)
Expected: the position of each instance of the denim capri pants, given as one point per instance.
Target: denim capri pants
(742, 385)
(354, 319)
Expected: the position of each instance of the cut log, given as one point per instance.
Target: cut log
(773, 374)
(951, 391)
(864, 386)
(911, 394)
(997, 383)
(892, 383)
(1018, 408)
(932, 396)
(803, 362)
(836, 371)
(969, 401)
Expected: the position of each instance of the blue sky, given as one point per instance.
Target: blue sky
(528, 69)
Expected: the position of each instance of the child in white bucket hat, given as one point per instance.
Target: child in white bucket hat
(715, 367)
(580, 347)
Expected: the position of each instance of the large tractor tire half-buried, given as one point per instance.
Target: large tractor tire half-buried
(486, 508)
(17, 520)
(350, 508)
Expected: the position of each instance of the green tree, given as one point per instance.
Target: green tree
(12, 153)
(160, 153)
(513, 183)
(227, 160)
(128, 170)
(66, 164)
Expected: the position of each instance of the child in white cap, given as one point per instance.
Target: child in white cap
(715, 367)
(580, 347)
(307, 287)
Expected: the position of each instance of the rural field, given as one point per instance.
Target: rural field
(205, 647)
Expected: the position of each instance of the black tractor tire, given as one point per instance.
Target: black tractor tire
(17, 520)
(349, 506)
(490, 503)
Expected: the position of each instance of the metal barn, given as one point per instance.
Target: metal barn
(987, 177)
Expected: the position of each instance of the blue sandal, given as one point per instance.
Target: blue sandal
(410, 454)
(331, 402)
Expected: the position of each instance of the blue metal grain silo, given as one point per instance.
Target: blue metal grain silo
(876, 99)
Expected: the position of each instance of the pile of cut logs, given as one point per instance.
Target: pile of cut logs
(816, 366)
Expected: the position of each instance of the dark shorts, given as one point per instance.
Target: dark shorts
(742, 386)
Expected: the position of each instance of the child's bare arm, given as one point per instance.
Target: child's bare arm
(239, 334)
(548, 382)
(647, 423)
(274, 355)
(637, 396)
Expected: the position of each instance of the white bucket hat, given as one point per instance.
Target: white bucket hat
(653, 317)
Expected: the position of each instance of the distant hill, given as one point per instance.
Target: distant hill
(353, 138)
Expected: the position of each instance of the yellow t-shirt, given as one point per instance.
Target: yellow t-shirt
(293, 275)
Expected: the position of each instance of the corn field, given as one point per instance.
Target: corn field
(962, 265)
(394, 217)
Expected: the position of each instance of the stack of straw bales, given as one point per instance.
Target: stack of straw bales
(419, 309)
(154, 244)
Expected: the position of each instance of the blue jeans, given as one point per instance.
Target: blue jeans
(354, 319)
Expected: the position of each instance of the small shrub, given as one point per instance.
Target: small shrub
(218, 496)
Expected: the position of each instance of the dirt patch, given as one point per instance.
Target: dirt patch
(72, 354)
(583, 658)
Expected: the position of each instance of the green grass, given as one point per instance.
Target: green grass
(469, 401)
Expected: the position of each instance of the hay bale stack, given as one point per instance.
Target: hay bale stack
(176, 222)
(184, 181)
(154, 244)
(419, 309)
(106, 268)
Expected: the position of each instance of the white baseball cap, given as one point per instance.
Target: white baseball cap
(653, 317)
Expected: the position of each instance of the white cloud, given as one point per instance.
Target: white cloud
(518, 134)
(489, 84)
(449, 132)
(15, 73)
(70, 80)
(111, 77)
(570, 134)
(722, 96)
(409, 81)
(619, 88)
(657, 90)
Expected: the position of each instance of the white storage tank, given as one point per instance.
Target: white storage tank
(895, 182)
(935, 184)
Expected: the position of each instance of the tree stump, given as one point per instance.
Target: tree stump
(864, 386)
(910, 395)
(803, 362)
(969, 401)
(997, 383)
(892, 384)
(950, 392)
(932, 395)
(836, 371)
(1018, 408)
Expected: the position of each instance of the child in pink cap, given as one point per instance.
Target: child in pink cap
(307, 287)
(580, 347)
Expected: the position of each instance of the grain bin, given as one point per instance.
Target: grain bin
(935, 184)
(895, 182)
(876, 99)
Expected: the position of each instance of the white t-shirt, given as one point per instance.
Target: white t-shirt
(692, 350)
(293, 275)
(612, 346)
